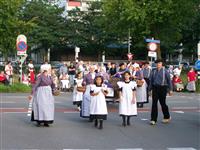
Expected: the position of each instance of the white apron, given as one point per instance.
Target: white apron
(43, 104)
(125, 106)
(141, 93)
(85, 107)
(98, 103)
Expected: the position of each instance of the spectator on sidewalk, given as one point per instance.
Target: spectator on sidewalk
(191, 77)
(9, 72)
(177, 83)
(3, 78)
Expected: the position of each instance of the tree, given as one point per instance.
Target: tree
(90, 34)
(11, 25)
(161, 19)
(50, 29)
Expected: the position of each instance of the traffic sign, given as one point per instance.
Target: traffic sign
(152, 41)
(152, 54)
(20, 38)
(152, 46)
(197, 65)
(130, 56)
(21, 46)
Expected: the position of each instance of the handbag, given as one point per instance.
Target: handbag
(139, 83)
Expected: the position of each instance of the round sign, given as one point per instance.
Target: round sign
(20, 38)
(197, 65)
(21, 46)
(152, 46)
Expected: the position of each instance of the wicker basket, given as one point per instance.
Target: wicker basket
(56, 92)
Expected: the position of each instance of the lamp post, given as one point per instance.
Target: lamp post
(180, 55)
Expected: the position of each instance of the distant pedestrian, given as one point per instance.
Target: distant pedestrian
(3, 78)
(31, 75)
(88, 80)
(46, 66)
(146, 74)
(9, 72)
(63, 69)
(177, 83)
(78, 90)
(71, 73)
(191, 77)
(113, 70)
(127, 101)
(43, 100)
(177, 71)
(141, 89)
(160, 84)
(98, 107)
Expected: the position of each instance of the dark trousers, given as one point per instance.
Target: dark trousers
(147, 90)
(159, 93)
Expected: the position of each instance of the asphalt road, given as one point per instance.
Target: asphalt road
(72, 132)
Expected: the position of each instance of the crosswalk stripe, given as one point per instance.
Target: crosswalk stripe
(182, 148)
(179, 112)
(76, 149)
(130, 149)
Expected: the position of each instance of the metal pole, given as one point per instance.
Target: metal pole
(129, 44)
(20, 70)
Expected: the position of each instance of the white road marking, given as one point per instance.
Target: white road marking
(7, 102)
(179, 112)
(29, 108)
(10, 108)
(76, 149)
(144, 119)
(182, 148)
(185, 108)
(14, 112)
(130, 149)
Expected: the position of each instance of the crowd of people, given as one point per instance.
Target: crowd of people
(90, 84)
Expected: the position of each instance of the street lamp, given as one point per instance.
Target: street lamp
(180, 55)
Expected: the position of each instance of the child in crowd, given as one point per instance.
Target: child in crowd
(54, 78)
(177, 83)
(78, 90)
(64, 79)
(127, 101)
(98, 107)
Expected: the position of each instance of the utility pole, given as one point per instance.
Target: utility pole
(129, 41)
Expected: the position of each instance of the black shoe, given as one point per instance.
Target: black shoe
(46, 125)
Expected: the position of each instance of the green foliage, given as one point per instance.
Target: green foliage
(106, 22)
(50, 25)
(15, 88)
(161, 19)
(11, 25)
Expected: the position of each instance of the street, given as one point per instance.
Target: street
(72, 132)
